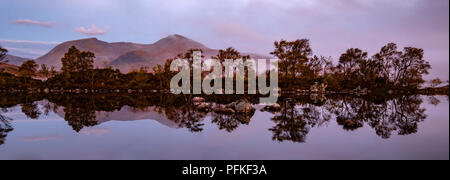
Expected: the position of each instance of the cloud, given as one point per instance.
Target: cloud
(33, 23)
(26, 51)
(95, 131)
(93, 31)
(233, 30)
(29, 42)
(27, 48)
(40, 138)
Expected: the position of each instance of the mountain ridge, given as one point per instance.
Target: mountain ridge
(128, 56)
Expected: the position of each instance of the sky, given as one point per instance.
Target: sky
(31, 28)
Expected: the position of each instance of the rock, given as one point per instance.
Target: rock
(231, 105)
(198, 99)
(203, 106)
(349, 123)
(244, 107)
(244, 118)
(224, 111)
(272, 108)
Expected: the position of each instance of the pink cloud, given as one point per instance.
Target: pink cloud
(33, 23)
(92, 31)
(40, 138)
(95, 131)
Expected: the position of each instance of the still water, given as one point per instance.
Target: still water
(170, 127)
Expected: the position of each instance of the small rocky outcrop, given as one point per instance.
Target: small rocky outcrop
(203, 106)
(272, 108)
(244, 106)
(225, 110)
(198, 100)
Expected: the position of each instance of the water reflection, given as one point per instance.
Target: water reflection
(293, 119)
(5, 127)
(401, 114)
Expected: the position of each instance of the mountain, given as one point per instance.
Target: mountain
(14, 60)
(157, 53)
(128, 56)
(104, 52)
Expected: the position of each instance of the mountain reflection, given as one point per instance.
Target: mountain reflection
(293, 120)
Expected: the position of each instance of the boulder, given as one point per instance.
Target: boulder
(224, 111)
(272, 108)
(244, 107)
(244, 118)
(198, 99)
(203, 106)
(231, 105)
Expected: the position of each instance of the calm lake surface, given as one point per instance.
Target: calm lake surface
(168, 127)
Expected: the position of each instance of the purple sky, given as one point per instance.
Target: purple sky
(30, 28)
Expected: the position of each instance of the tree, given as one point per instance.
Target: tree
(28, 69)
(3, 53)
(53, 71)
(45, 71)
(349, 61)
(159, 73)
(75, 60)
(316, 66)
(292, 55)
(389, 60)
(402, 68)
(229, 53)
(436, 82)
(411, 69)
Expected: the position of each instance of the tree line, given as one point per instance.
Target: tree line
(299, 68)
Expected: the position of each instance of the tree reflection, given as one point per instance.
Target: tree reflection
(295, 119)
(231, 121)
(5, 128)
(186, 116)
(226, 122)
(31, 110)
(294, 123)
(401, 114)
(79, 110)
(80, 117)
(433, 100)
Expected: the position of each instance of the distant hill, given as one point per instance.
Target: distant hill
(104, 52)
(14, 60)
(127, 56)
